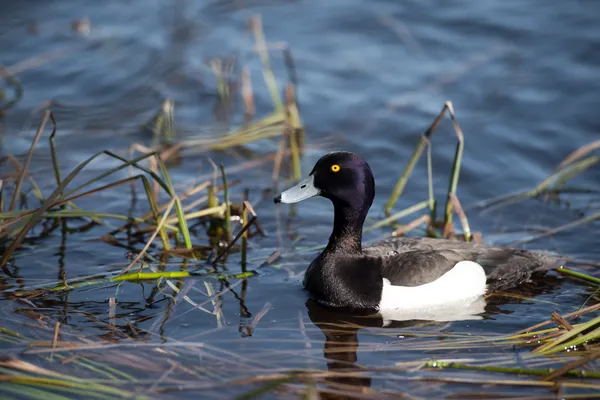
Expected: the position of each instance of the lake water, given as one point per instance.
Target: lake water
(524, 79)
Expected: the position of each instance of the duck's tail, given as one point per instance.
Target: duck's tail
(507, 268)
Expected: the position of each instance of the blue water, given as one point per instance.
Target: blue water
(371, 76)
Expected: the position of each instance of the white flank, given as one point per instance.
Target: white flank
(460, 287)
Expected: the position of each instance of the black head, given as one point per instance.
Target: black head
(343, 177)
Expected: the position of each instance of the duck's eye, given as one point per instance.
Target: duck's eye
(335, 168)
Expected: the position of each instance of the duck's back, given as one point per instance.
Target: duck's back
(407, 261)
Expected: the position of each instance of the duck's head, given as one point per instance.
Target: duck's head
(344, 178)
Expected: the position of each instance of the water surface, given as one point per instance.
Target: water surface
(371, 76)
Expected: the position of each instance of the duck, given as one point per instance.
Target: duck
(400, 273)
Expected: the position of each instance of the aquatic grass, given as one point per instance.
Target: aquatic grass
(273, 125)
(222, 69)
(83, 388)
(23, 172)
(587, 278)
(15, 371)
(56, 200)
(575, 314)
(213, 208)
(579, 153)
(18, 226)
(425, 143)
(572, 338)
(553, 231)
(400, 214)
(295, 130)
(543, 369)
(462, 216)
(318, 377)
(116, 277)
(244, 249)
(572, 166)
(151, 239)
(284, 120)
(576, 163)
(16, 216)
(18, 167)
(227, 204)
(256, 27)
(22, 390)
(162, 125)
(244, 229)
(453, 184)
(268, 127)
(431, 200)
(247, 95)
(180, 294)
(514, 370)
(178, 206)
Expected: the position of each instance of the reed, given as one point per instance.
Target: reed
(423, 144)
(575, 164)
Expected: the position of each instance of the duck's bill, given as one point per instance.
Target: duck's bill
(302, 191)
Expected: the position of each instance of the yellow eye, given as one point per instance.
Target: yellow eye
(335, 168)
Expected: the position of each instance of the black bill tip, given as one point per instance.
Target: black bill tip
(277, 199)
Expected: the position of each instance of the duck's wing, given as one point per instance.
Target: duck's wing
(396, 245)
(402, 244)
(417, 267)
(415, 261)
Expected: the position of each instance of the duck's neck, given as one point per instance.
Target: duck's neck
(347, 229)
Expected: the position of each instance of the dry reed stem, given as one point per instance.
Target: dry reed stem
(158, 229)
(570, 366)
(277, 160)
(55, 338)
(227, 203)
(152, 166)
(561, 321)
(256, 27)
(247, 95)
(423, 219)
(423, 143)
(579, 153)
(40, 59)
(232, 242)
(18, 171)
(34, 142)
(462, 216)
(112, 311)
(558, 229)
(245, 234)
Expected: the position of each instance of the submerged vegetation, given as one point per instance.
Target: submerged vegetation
(56, 361)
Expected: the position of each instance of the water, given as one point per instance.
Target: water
(523, 79)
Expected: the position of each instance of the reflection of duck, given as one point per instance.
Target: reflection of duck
(341, 341)
(406, 274)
